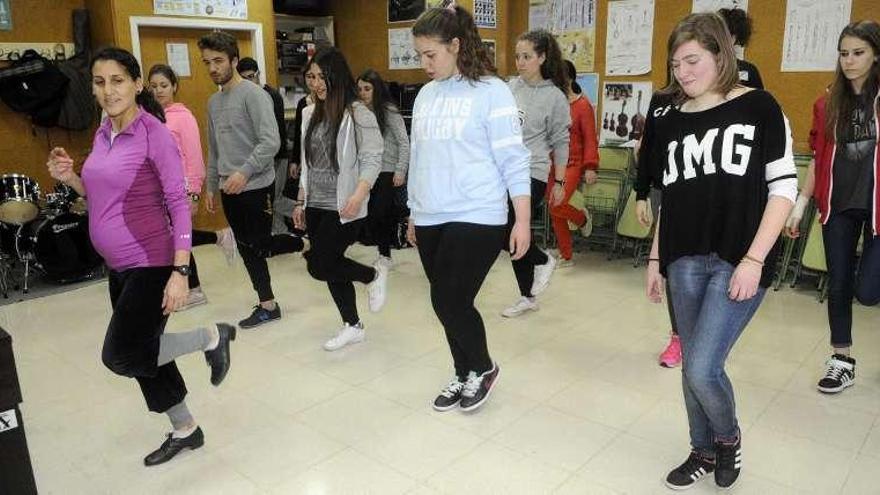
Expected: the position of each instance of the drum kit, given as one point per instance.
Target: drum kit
(47, 232)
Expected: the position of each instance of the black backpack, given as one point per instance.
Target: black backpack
(35, 86)
(78, 109)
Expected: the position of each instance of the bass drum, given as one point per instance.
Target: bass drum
(63, 248)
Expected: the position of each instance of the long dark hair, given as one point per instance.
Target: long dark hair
(552, 68)
(381, 97)
(341, 93)
(739, 24)
(164, 70)
(445, 24)
(572, 78)
(842, 100)
(124, 58)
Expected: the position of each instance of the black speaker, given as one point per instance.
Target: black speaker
(301, 7)
(16, 472)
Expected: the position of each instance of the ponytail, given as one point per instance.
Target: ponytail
(553, 68)
(148, 102)
(447, 23)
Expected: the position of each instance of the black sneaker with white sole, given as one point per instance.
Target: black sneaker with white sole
(728, 461)
(840, 374)
(261, 315)
(694, 468)
(477, 388)
(450, 396)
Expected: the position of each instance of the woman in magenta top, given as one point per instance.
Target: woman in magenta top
(185, 131)
(139, 221)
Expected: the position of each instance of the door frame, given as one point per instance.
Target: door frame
(254, 28)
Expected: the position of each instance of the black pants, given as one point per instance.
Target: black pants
(250, 216)
(131, 346)
(381, 212)
(456, 258)
(841, 237)
(524, 268)
(327, 262)
(199, 238)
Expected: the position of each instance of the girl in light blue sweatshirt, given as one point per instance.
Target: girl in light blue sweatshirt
(467, 158)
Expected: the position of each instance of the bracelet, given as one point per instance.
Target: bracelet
(194, 197)
(752, 260)
(298, 202)
(560, 182)
(654, 259)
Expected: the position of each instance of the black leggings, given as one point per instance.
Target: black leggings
(199, 238)
(381, 214)
(524, 268)
(457, 257)
(250, 216)
(131, 345)
(327, 262)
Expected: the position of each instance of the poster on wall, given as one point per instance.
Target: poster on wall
(624, 107)
(405, 10)
(715, 5)
(629, 37)
(225, 9)
(401, 50)
(589, 84)
(579, 47)
(485, 15)
(811, 31)
(489, 45)
(177, 55)
(5, 16)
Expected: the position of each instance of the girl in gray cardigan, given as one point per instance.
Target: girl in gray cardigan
(341, 154)
(395, 161)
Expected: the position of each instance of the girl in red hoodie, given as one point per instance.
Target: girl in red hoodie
(843, 181)
(583, 161)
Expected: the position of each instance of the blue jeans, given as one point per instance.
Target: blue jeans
(709, 323)
(841, 236)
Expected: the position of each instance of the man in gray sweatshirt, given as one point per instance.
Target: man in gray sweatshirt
(242, 143)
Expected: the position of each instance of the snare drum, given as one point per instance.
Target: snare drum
(19, 199)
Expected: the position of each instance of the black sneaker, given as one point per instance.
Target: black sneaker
(172, 446)
(477, 388)
(450, 395)
(694, 468)
(841, 373)
(261, 315)
(728, 461)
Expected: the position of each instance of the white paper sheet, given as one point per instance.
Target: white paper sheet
(178, 58)
(714, 5)
(227, 9)
(485, 15)
(401, 50)
(629, 37)
(811, 31)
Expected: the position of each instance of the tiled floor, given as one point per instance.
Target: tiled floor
(581, 406)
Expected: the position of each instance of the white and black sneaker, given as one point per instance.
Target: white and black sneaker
(694, 468)
(477, 388)
(841, 373)
(728, 461)
(450, 396)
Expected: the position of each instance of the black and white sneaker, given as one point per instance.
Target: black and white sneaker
(728, 461)
(261, 315)
(477, 388)
(450, 396)
(841, 373)
(694, 468)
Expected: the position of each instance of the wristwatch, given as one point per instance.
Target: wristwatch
(181, 269)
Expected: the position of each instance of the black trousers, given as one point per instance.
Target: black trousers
(131, 345)
(524, 268)
(457, 257)
(199, 238)
(250, 216)
(841, 237)
(327, 262)
(381, 212)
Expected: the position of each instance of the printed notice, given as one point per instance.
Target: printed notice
(628, 41)
(811, 31)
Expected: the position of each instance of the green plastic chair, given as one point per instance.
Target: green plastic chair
(628, 227)
(813, 257)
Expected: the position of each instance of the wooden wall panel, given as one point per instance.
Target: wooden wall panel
(24, 149)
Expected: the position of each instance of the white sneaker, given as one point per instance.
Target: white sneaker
(543, 274)
(385, 260)
(347, 335)
(524, 304)
(226, 242)
(587, 228)
(194, 298)
(565, 263)
(377, 289)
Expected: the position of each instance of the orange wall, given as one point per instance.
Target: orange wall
(794, 91)
(24, 149)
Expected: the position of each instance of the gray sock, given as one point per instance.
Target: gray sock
(180, 417)
(174, 345)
